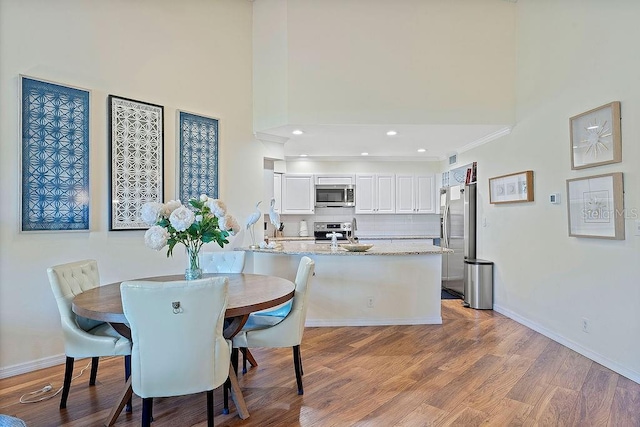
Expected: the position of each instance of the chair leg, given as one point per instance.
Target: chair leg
(234, 360)
(225, 392)
(243, 350)
(127, 374)
(297, 364)
(68, 373)
(94, 370)
(210, 408)
(147, 408)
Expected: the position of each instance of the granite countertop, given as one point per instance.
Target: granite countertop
(360, 237)
(310, 248)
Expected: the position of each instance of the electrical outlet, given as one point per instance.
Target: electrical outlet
(585, 325)
(370, 302)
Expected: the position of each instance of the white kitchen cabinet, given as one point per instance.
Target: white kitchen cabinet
(298, 194)
(277, 192)
(415, 194)
(334, 179)
(375, 193)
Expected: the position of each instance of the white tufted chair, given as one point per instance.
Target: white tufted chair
(288, 332)
(222, 262)
(178, 347)
(83, 337)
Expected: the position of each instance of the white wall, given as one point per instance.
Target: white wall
(190, 55)
(573, 56)
(376, 61)
(270, 107)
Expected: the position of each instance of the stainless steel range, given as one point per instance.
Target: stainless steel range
(322, 229)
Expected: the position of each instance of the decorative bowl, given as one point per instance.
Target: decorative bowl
(357, 247)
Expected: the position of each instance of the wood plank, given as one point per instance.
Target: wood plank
(595, 398)
(625, 408)
(554, 408)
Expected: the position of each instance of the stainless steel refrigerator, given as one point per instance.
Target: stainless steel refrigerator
(457, 232)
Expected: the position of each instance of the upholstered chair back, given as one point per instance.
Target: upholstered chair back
(222, 262)
(67, 281)
(176, 329)
(289, 331)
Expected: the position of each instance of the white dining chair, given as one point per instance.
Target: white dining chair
(222, 262)
(288, 331)
(83, 337)
(178, 346)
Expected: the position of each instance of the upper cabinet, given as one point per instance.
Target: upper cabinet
(375, 193)
(277, 192)
(298, 194)
(415, 194)
(335, 179)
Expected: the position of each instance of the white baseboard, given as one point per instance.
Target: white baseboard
(34, 365)
(598, 358)
(373, 322)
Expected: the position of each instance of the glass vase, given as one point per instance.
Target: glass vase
(193, 270)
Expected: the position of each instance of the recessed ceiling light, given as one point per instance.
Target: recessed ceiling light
(421, 150)
(364, 154)
(297, 132)
(303, 155)
(392, 133)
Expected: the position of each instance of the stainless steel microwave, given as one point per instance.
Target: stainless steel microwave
(335, 196)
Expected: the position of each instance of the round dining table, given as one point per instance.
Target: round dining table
(247, 293)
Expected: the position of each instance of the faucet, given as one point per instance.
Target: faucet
(352, 234)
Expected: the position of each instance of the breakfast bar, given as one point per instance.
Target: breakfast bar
(388, 284)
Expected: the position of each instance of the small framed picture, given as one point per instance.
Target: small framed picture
(515, 187)
(596, 207)
(595, 137)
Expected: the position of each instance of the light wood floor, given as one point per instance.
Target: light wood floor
(478, 368)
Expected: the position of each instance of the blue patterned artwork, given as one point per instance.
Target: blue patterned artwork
(136, 133)
(198, 156)
(55, 157)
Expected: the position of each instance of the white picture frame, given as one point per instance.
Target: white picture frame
(595, 206)
(596, 137)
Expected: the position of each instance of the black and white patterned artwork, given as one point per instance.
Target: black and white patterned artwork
(136, 133)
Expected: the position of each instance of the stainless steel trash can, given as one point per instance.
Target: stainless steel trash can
(478, 284)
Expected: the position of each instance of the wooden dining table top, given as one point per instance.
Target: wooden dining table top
(247, 293)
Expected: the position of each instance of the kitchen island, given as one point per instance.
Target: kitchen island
(389, 284)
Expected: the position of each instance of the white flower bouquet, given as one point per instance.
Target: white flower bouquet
(206, 220)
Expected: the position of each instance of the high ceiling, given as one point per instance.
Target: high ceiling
(348, 142)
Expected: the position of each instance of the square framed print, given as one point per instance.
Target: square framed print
(515, 187)
(197, 156)
(136, 133)
(596, 137)
(596, 206)
(55, 156)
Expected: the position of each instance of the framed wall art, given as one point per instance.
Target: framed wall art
(515, 187)
(596, 206)
(55, 156)
(197, 156)
(595, 137)
(136, 133)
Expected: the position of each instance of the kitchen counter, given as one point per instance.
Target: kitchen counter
(360, 237)
(311, 248)
(390, 284)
